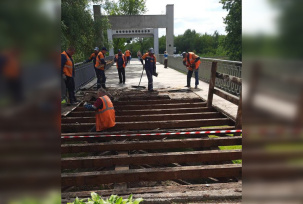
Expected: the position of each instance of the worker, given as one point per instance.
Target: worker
(128, 54)
(100, 68)
(150, 67)
(165, 59)
(192, 62)
(121, 62)
(68, 73)
(93, 57)
(105, 112)
(10, 73)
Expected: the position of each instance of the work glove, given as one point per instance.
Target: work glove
(85, 103)
(64, 77)
(193, 65)
(184, 63)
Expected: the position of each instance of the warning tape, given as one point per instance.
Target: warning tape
(150, 134)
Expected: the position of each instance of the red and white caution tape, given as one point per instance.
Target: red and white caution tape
(149, 134)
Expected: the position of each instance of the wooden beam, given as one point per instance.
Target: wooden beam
(154, 159)
(154, 106)
(154, 174)
(146, 125)
(146, 112)
(230, 78)
(162, 101)
(227, 96)
(212, 84)
(104, 138)
(160, 117)
(151, 145)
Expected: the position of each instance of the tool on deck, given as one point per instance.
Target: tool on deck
(141, 87)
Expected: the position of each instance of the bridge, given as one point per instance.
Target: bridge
(173, 145)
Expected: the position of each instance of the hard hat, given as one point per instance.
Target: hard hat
(151, 50)
(183, 54)
(96, 48)
(119, 50)
(104, 48)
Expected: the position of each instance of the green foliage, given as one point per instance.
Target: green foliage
(51, 198)
(113, 199)
(80, 30)
(233, 21)
(205, 45)
(125, 7)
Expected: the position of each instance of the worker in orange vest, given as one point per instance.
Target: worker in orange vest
(93, 57)
(128, 54)
(100, 68)
(68, 73)
(121, 62)
(105, 112)
(192, 62)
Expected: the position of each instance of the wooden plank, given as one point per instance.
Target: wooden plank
(121, 167)
(146, 125)
(168, 189)
(154, 106)
(154, 174)
(149, 145)
(230, 78)
(227, 96)
(146, 137)
(236, 186)
(160, 117)
(162, 101)
(212, 84)
(145, 97)
(155, 159)
(146, 112)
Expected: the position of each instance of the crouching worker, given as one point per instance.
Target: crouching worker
(105, 112)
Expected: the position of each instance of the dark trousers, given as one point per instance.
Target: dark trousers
(165, 63)
(121, 73)
(70, 85)
(190, 74)
(101, 79)
(149, 73)
(128, 59)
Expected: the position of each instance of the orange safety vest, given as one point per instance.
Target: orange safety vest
(105, 117)
(116, 56)
(11, 70)
(98, 61)
(127, 53)
(68, 67)
(191, 61)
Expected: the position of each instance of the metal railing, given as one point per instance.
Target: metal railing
(85, 73)
(233, 68)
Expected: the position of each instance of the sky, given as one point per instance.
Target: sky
(204, 16)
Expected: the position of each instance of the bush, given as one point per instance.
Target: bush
(113, 199)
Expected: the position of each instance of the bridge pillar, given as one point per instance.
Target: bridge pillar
(110, 42)
(170, 29)
(156, 41)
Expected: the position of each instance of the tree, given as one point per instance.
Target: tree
(233, 21)
(79, 29)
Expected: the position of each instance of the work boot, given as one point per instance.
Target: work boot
(155, 74)
(151, 90)
(103, 86)
(196, 86)
(187, 86)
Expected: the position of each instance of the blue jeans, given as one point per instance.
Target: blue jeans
(189, 75)
(101, 79)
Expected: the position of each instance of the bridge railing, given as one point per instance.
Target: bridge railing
(233, 68)
(85, 73)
